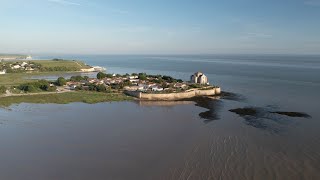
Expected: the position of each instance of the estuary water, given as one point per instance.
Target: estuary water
(175, 140)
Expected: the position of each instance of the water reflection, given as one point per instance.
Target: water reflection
(212, 104)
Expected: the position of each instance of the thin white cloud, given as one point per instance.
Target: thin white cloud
(251, 36)
(64, 2)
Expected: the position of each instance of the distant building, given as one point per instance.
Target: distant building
(29, 58)
(199, 78)
(156, 88)
(99, 69)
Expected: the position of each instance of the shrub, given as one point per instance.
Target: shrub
(41, 85)
(76, 78)
(61, 81)
(3, 89)
(101, 75)
(101, 88)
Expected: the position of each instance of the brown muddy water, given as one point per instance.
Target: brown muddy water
(146, 140)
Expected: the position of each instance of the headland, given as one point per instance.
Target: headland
(15, 88)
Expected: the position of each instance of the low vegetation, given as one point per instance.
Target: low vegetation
(14, 79)
(64, 98)
(42, 66)
(3, 89)
(60, 65)
(41, 85)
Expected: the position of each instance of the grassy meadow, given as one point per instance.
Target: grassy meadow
(64, 98)
(69, 64)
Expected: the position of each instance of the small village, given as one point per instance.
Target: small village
(137, 82)
(20, 66)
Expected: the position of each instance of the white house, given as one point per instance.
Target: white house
(133, 77)
(180, 85)
(16, 66)
(143, 87)
(156, 88)
(24, 64)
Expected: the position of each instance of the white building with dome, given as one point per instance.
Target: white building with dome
(199, 78)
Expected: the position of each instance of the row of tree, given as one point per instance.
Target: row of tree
(41, 85)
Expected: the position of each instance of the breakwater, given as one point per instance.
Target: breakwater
(174, 96)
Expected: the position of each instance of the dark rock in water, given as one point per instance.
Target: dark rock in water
(245, 111)
(292, 114)
(266, 119)
(231, 96)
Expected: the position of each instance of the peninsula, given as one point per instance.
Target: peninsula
(104, 87)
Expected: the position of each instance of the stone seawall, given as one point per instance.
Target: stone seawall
(174, 96)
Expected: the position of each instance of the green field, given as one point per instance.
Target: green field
(69, 64)
(64, 98)
(13, 79)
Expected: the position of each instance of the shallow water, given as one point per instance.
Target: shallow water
(182, 140)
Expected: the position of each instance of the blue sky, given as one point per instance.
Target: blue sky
(160, 27)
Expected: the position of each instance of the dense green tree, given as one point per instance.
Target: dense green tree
(61, 81)
(76, 78)
(101, 88)
(142, 76)
(101, 75)
(109, 75)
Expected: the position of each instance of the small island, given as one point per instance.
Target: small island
(16, 88)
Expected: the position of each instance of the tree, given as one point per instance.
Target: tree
(179, 80)
(101, 88)
(76, 78)
(43, 85)
(109, 75)
(142, 76)
(101, 75)
(61, 81)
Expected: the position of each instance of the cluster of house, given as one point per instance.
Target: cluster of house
(24, 66)
(18, 66)
(133, 83)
